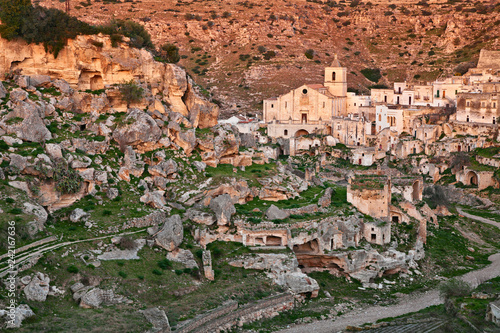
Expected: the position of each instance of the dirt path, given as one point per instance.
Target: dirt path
(478, 218)
(24, 257)
(407, 304)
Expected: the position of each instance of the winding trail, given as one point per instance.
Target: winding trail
(407, 304)
(478, 218)
(24, 257)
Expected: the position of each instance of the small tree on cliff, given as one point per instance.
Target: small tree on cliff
(131, 92)
(169, 53)
(12, 13)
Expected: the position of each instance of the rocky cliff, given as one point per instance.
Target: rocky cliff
(92, 64)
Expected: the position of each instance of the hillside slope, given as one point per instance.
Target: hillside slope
(243, 52)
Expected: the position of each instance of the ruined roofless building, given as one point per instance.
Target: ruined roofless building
(309, 108)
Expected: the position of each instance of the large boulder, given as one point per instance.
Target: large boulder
(200, 217)
(15, 318)
(158, 319)
(140, 130)
(299, 283)
(155, 199)
(171, 234)
(185, 257)
(38, 289)
(132, 165)
(223, 208)
(274, 213)
(40, 217)
(77, 215)
(164, 168)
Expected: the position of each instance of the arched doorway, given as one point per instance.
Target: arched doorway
(96, 83)
(416, 192)
(471, 178)
(301, 132)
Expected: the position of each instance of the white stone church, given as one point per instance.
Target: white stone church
(309, 108)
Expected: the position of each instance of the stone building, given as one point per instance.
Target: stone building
(493, 312)
(481, 179)
(370, 194)
(481, 108)
(410, 188)
(309, 108)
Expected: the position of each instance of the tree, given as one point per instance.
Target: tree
(12, 13)
(131, 92)
(169, 53)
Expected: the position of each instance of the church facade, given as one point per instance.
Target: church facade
(310, 108)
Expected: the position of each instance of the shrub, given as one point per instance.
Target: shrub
(67, 179)
(52, 27)
(262, 49)
(131, 92)
(165, 264)
(453, 288)
(122, 274)
(309, 53)
(169, 53)
(372, 74)
(178, 271)
(16, 211)
(157, 272)
(72, 269)
(139, 36)
(127, 243)
(198, 253)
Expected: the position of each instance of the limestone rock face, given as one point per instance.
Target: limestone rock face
(140, 130)
(158, 319)
(223, 209)
(38, 289)
(202, 113)
(83, 66)
(171, 234)
(283, 269)
(92, 299)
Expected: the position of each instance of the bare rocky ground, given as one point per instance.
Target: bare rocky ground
(246, 51)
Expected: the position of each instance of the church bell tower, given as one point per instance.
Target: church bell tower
(336, 78)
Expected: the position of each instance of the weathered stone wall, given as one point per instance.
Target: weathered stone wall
(205, 318)
(373, 202)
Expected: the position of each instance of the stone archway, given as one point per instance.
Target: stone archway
(416, 191)
(471, 178)
(301, 132)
